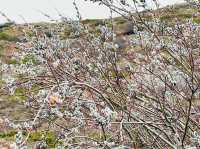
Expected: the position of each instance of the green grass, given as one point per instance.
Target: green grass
(18, 95)
(93, 22)
(180, 12)
(5, 36)
(1, 51)
(119, 20)
(12, 61)
(50, 137)
(8, 136)
(29, 58)
(196, 20)
(8, 33)
(180, 16)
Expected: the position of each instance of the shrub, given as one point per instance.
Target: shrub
(82, 89)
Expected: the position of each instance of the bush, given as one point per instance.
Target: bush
(5, 25)
(143, 97)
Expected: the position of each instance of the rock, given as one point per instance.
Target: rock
(121, 42)
(125, 29)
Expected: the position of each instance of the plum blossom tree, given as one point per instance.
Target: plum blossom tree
(94, 95)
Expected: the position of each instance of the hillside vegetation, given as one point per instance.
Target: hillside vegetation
(76, 81)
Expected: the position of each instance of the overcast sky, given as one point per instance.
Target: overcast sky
(30, 9)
